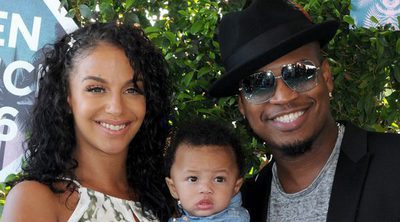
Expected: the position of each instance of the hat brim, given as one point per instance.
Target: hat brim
(262, 54)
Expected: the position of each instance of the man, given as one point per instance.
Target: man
(322, 170)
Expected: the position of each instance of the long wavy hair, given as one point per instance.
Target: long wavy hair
(51, 141)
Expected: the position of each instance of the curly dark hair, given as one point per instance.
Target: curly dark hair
(204, 132)
(51, 140)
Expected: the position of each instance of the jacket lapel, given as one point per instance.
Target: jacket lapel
(350, 174)
(264, 184)
(256, 194)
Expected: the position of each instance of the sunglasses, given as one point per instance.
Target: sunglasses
(259, 87)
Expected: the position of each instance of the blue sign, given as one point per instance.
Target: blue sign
(25, 27)
(385, 11)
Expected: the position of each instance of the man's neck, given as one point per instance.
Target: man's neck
(297, 173)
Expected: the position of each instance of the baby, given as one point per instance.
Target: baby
(205, 172)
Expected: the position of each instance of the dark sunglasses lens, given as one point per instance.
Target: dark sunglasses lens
(258, 87)
(300, 76)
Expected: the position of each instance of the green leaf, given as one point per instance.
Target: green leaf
(380, 48)
(107, 2)
(398, 46)
(199, 57)
(383, 41)
(215, 44)
(374, 19)
(205, 111)
(196, 27)
(152, 29)
(231, 100)
(211, 55)
(183, 12)
(363, 84)
(107, 10)
(202, 71)
(187, 79)
(312, 2)
(198, 98)
(348, 19)
(396, 74)
(368, 106)
(71, 13)
(170, 36)
(398, 21)
(168, 56)
(11, 177)
(153, 36)
(85, 11)
(378, 128)
(128, 4)
(131, 18)
(183, 96)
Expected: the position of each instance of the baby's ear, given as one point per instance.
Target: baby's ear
(172, 188)
(239, 183)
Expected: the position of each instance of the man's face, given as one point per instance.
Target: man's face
(290, 120)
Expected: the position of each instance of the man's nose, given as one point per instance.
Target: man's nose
(283, 93)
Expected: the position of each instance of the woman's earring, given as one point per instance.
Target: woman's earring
(179, 204)
(330, 95)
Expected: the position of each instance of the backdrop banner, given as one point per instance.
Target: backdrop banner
(25, 27)
(385, 12)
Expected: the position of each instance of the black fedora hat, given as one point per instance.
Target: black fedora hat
(260, 34)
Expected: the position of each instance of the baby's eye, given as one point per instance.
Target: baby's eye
(95, 89)
(192, 179)
(133, 90)
(219, 179)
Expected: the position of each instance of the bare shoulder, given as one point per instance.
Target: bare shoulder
(30, 201)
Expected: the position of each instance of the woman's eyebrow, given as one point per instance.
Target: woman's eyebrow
(95, 78)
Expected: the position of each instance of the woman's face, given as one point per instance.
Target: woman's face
(108, 108)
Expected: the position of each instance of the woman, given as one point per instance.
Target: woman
(97, 131)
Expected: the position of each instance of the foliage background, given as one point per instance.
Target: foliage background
(365, 62)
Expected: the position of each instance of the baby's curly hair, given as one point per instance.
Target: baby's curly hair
(51, 140)
(204, 132)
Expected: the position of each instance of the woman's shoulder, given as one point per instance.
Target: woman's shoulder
(30, 201)
(35, 188)
(29, 190)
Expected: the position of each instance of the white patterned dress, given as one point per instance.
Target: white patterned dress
(94, 206)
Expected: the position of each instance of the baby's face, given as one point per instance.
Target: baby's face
(204, 178)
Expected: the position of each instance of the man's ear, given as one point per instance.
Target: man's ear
(238, 185)
(327, 75)
(172, 188)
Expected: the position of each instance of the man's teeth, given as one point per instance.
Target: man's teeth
(113, 127)
(289, 117)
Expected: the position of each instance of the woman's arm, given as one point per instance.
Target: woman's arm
(30, 201)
